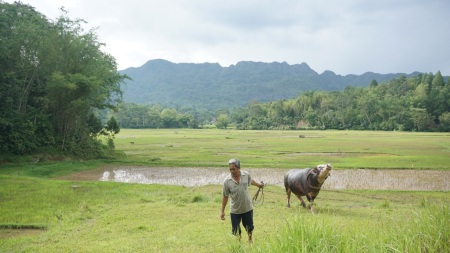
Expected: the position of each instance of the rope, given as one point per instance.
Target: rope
(260, 201)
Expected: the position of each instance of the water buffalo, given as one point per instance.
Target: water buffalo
(306, 182)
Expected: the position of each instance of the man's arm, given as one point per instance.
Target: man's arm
(224, 204)
(259, 185)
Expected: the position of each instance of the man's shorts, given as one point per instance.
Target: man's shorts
(247, 222)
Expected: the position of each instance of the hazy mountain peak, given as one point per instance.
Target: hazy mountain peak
(210, 86)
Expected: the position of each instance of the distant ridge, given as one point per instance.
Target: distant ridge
(210, 86)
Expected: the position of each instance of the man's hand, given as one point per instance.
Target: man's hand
(259, 185)
(224, 204)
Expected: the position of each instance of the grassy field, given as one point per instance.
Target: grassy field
(119, 217)
(285, 149)
(89, 216)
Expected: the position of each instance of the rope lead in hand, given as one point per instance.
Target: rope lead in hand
(260, 201)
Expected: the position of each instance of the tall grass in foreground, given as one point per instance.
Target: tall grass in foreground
(427, 231)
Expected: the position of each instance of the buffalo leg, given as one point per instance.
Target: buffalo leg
(301, 200)
(288, 193)
(311, 201)
(311, 206)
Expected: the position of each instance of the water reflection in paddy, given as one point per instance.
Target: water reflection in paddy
(427, 180)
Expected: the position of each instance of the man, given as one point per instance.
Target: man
(236, 186)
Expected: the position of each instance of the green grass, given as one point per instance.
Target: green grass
(425, 231)
(285, 149)
(120, 217)
(81, 216)
(49, 169)
(257, 149)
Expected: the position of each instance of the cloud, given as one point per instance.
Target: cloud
(347, 37)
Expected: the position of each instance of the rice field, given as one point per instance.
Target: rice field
(57, 206)
(93, 216)
(285, 149)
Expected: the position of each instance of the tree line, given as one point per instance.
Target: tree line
(419, 103)
(54, 78)
(130, 115)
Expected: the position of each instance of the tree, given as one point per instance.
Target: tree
(222, 121)
(54, 75)
(154, 114)
(94, 124)
(169, 117)
(445, 122)
(111, 129)
(421, 119)
(112, 126)
(23, 125)
(438, 80)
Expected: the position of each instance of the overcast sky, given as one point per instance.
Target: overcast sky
(346, 37)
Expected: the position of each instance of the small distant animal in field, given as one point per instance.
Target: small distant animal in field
(306, 182)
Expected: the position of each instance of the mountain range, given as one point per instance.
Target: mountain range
(210, 86)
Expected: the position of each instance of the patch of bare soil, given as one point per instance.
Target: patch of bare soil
(90, 175)
(10, 233)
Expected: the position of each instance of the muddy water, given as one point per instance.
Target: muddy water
(425, 180)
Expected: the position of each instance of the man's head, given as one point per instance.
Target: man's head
(235, 162)
(235, 167)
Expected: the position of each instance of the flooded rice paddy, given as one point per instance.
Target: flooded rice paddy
(418, 180)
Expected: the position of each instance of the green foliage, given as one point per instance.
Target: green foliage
(132, 115)
(414, 104)
(373, 83)
(402, 104)
(111, 144)
(112, 126)
(222, 121)
(94, 124)
(444, 120)
(54, 75)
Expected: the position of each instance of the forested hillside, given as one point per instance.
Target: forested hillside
(210, 86)
(420, 103)
(53, 79)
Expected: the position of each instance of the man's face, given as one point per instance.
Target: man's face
(235, 171)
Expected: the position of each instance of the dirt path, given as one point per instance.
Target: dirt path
(418, 180)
